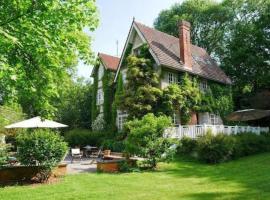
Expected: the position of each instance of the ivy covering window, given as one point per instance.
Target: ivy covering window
(121, 119)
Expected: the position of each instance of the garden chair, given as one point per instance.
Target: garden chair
(75, 153)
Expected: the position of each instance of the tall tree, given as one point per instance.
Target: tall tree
(74, 106)
(207, 17)
(40, 43)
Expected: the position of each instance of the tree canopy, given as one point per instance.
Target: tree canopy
(40, 44)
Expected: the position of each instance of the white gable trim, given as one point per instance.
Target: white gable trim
(123, 53)
(134, 27)
(145, 41)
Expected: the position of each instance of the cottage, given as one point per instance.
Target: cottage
(174, 56)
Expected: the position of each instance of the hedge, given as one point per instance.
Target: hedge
(218, 148)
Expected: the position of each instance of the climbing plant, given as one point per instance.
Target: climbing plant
(107, 84)
(119, 92)
(218, 99)
(95, 89)
(142, 87)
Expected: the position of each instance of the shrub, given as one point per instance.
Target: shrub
(187, 146)
(83, 137)
(250, 143)
(41, 147)
(145, 138)
(113, 145)
(215, 149)
(3, 154)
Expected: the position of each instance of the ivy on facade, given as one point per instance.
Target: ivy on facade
(95, 108)
(107, 84)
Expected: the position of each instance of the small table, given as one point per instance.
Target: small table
(89, 150)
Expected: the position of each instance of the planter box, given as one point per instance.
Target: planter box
(110, 166)
(14, 174)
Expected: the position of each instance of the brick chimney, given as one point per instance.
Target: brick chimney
(184, 43)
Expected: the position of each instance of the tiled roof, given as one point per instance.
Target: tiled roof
(110, 62)
(167, 51)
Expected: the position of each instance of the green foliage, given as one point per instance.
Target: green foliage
(220, 148)
(250, 143)
(3, 153)
(172, 99)
(73, 108)
(41, 42)
(141, 90)
(41, 147)
(207, 17)
(10, 113)
(107, 83)
(215, 149)
(113, 145)
(95, 110)
(83, 137)
(218, 100)
(192, 97)
(234, 32)
(119, 92)
(187, 146)
(145, 138)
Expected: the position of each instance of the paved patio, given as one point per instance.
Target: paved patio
(80, 166)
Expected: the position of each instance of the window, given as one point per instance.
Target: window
(100, 97)
(203, 85)
(137, 51)
(175, 118)
(100, 72)
(121, 119)
(214, 119)
(124, 75)
(173, 78)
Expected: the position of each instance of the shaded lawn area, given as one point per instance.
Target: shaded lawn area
(247, 178)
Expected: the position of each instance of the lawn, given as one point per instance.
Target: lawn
(247, 178)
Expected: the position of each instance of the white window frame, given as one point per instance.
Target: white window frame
(100, 98)
(214, 119)
(173, 78)
(176, 118)
(100, 72)
(121, 119)
(124, 75)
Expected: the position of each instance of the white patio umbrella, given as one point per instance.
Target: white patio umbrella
(36, 122)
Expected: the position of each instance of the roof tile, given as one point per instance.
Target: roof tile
(166, 48)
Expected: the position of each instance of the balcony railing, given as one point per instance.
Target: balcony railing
(193, 131)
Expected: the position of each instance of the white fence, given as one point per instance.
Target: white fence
(194, 131)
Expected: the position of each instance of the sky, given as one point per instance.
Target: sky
(115, 20)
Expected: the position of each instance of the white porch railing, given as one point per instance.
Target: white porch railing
(194, 131)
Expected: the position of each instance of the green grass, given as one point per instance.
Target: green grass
(247, 178)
